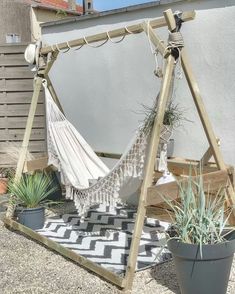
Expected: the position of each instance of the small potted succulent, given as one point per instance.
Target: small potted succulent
(201, 246)
(30, 193)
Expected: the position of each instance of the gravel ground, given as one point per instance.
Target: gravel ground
(27, 267)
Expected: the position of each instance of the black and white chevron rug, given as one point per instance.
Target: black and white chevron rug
(105, 237)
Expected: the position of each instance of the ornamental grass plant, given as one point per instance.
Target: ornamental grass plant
(32, 190)
(199, 216)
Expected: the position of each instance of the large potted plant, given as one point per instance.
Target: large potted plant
(202, 248)
(30, 192)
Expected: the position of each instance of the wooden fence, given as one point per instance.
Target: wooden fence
(16, 89)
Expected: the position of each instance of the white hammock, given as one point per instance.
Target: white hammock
(77, 162)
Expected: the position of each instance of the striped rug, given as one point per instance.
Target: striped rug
(105, 237)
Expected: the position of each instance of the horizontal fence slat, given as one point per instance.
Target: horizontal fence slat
(16, 85)
(19, 109)
(9, 161)
(16, 73)
(19, 97)
(20, 122)
(14, 147)
(16, 91)
(18, 134)
(9, 49)
(12, 59)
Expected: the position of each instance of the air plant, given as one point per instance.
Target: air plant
(173, 116)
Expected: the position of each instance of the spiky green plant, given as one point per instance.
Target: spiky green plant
(199, 217)
(31, 190)
(174, 115)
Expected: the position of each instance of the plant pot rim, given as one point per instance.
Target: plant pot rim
(209, 251)
(29, 208)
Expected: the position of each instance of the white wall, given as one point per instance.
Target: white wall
(102, 89)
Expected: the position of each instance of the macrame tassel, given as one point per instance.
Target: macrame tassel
(162, 166)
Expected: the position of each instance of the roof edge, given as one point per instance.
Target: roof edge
(110, 12)
(75, 13)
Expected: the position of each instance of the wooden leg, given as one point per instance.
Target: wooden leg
(207, 155)
(24, 147)
(149, 169)
(201, 110)
(53, 93)
(206, 125)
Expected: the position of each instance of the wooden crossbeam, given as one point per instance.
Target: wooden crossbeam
(181, 166)
(135, 29)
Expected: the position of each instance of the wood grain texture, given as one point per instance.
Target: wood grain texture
(212, 181)
(12, 161)
(34, 146)
(19, 109)
(149, 170)
(22, 72)
(19, 97)
(16, 91)
(16, 85)
(18, 134)
(20, 122)
(13, 48)
(137, 28)
(12, 60)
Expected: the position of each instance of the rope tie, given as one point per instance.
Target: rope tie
(95, 46)
(176, 40)
(176, 43)
(62, 51)
(70, 48)
(115, 42)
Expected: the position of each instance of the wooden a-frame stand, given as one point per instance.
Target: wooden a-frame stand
(149, 195)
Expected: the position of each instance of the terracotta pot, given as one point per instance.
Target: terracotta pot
(3, 185)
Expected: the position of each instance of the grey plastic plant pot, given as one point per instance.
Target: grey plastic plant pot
(32, 217)
(208, 274)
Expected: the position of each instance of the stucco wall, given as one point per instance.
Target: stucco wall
(40, 16)
(102, 89)
(14, 18)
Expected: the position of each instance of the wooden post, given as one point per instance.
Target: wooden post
(25, 143)
(207, 155)
(53, 93)
(208, 129)
(42, 72)
(149, 169)
(191, 80)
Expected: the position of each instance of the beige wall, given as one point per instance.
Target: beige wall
(102, 89)
(39, 16)
(14, 19)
